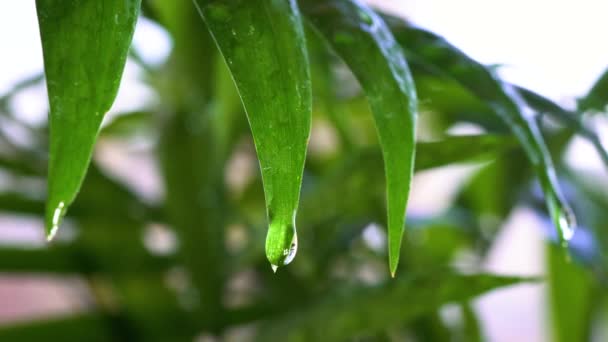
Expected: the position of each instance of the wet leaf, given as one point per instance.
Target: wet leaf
(263, 44)
(85, 44)
(443, 58)
(362, 39)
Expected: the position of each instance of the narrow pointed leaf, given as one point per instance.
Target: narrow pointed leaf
(85, 44)
(571, 119)
(445, 59)
(356, 311)
(362, 39)
(263, 44)
(597, 98)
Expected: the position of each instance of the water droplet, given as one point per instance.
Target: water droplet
(291, 252)
(566, 223)
(274, 268)
(57, 214)
(281, 243)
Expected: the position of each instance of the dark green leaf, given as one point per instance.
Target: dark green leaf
(91, 328)
(85, 44)
(361, 38)
(445, 59)
(263, 44)
(367, 310)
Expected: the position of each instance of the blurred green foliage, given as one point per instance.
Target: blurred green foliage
(217, 281)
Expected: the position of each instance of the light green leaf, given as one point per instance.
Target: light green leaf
(85, 44)
(361, 38)
(459, 149)
(571, 295)
(343, 315)
(263, 44)
(445, 59)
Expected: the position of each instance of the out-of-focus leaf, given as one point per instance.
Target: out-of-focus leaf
(263, 44)
(368, 310)
(129, 125)
(362, 39)
(92, 328)
(85, 44)
(471, 330)
(597, 98)
(571, 297)
(459, 149)
(573, 120)
(505, 101)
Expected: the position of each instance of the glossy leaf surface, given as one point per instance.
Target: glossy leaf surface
(85, 44)
(362, 39)
(442, 58)
(263, 44)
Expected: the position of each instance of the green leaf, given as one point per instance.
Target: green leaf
(597, 98)
(349, 313)
(263, 44)
(458, 149)
(571, 296)
(445, 59)
(89, 327)
(571, 119)
(362, 39)
(85, 44)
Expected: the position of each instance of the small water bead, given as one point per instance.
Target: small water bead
(566, 224)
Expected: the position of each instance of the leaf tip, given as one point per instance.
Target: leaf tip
(274, 268)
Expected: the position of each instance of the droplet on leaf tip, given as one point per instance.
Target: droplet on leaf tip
(57, 213)
(274, 268)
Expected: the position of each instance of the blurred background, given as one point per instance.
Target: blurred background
(472, 217)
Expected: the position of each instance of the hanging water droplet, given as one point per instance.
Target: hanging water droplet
(274, 268)
(281, 244)
(290, 253)
(57, 214)
(566, 223)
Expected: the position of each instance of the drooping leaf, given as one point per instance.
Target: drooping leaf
(597, 98)
(263, 44)
(362, 39)
(349, 313)
(85, 44)
(445, 59)
(571, 119)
